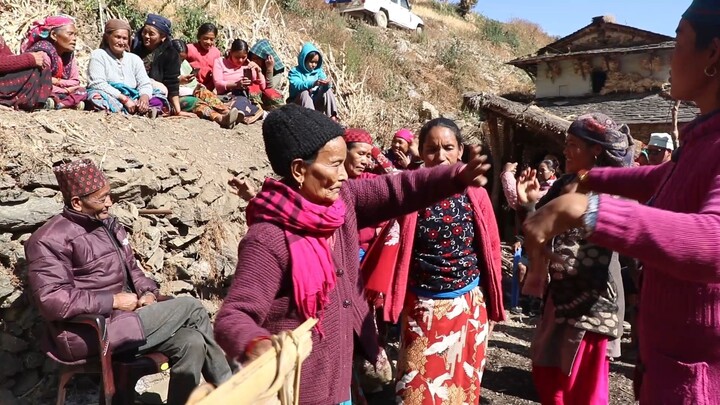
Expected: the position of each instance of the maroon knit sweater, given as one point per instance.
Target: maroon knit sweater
(260, 301)
(12, 63)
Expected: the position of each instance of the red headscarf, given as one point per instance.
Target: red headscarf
(40, 29)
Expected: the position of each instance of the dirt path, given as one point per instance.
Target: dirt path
(507, 378)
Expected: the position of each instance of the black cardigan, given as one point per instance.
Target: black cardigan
(165, 66)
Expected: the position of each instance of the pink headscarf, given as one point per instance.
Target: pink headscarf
(40, 29)
(405, 134)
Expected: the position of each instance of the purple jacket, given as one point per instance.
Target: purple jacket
(75, 265)
(678, 241)
(260, 301)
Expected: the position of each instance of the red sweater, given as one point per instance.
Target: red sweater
(260, 301)
(10, 62)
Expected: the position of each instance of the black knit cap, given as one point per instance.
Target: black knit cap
(294, 132)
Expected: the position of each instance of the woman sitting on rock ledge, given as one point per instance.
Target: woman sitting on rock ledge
(117, 79)
(55, 38)
(24, 82)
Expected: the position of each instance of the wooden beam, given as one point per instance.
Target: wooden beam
(497, 153)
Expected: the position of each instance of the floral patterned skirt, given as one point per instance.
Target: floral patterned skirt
(442, 350)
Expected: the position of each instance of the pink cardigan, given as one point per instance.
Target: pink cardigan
(225, 73)
(678, 240)
(72, 81)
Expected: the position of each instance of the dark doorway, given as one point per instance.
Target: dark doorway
(598, 79)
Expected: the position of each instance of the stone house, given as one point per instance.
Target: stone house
(605, 67)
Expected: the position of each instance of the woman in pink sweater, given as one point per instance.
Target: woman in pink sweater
(241, 79)
(674, 230)
(203, 53)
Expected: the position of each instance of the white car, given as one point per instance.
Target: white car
(383, 12)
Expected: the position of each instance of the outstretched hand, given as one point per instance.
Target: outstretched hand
(528, 187)
(473, 174)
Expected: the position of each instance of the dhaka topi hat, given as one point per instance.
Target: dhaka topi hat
(79, 178)
(357, 135)
(294, 132)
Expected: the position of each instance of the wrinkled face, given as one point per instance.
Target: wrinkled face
(238, 57)
(152, 37)
(64, 38)
(544, 172)
(358, 159)
(95, 205)
(321, 180)
(688, 79)
(657, 155)
(207, 41)
(579, 155)
(441, 147)
(313, 62)
(400, 145)
(117, 41)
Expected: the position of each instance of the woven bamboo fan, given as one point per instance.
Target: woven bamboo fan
(273, 378)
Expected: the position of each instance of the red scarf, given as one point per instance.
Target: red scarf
(307, 227)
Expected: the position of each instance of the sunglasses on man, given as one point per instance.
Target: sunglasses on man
(653, 152)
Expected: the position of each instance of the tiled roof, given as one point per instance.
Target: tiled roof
(535, 59)
(647, 108)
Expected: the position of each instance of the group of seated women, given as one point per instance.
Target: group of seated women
(150, 73)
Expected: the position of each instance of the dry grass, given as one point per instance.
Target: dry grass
(372, 79)
(452, 22)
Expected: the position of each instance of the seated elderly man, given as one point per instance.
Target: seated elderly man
(80, 262)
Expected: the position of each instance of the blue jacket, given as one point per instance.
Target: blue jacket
(300, 78)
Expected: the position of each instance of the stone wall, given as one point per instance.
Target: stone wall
(191, 251)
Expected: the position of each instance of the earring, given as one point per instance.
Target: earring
(714, 71)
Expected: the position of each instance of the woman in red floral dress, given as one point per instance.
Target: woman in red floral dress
(450, 266)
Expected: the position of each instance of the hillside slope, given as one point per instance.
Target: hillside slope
(382, 76)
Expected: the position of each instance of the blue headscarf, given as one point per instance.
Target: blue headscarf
(618, 146)
(161, 23)
(703, 12)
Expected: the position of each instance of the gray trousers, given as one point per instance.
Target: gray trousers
(180, 328)
(322, 100)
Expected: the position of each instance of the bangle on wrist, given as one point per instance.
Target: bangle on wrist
(590, 216)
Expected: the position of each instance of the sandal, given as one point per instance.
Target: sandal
(229, 120)
(247, 120)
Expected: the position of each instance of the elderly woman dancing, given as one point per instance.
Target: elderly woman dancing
(299, 258)
(674, 232)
